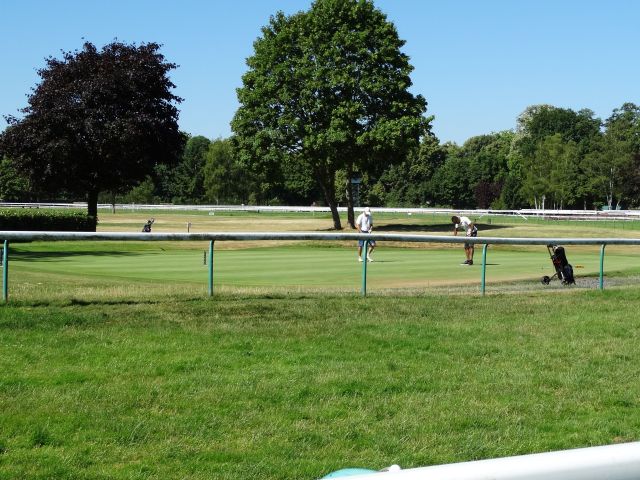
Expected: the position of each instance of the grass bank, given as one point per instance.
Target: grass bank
(149, 384)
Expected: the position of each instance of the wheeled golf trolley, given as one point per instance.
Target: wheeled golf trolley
(564, 271)
(147, 226)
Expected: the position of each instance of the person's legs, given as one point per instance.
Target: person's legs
(468, 252)
(360, 243)
(371, 247)
(473, 233)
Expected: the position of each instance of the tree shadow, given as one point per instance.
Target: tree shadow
(433, 228)
(29, 256)
(76, 302)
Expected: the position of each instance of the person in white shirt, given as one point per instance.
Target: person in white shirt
(364, 224)
(471, 231)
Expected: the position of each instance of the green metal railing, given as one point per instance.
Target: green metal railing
(239, 236)
(5, 271)
(211, 268)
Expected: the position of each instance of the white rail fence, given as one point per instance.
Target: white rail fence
(525, 212)
(611, 462)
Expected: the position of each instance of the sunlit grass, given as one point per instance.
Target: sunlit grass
(115, 363)
(145, 384)
(294, 268)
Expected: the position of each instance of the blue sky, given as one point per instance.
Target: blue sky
(479, 63)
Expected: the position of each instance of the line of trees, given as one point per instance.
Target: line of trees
(326, 100)
(554, 158)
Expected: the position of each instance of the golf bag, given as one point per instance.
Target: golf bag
(564, 270)
(147, 226)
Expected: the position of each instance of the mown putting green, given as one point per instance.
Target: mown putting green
(300, 266)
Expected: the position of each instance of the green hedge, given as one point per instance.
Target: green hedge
(33, 219)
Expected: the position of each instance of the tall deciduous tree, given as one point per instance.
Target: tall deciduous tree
(409, 184)
(188, 182)
(550, 150)
(622, 154)
(13, 186)
(327, 89)
(224, 179)
(98, 120)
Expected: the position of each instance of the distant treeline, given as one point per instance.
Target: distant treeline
(553, 158)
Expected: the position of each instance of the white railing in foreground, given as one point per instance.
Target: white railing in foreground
(613, 462)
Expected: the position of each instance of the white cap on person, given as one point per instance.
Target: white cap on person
(367, 211)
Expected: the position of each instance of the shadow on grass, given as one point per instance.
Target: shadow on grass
(84, 303)
(408, 228)
(29, 256)
(435, 228)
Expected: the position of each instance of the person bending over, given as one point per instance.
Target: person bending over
(364, 224)
(471, 231)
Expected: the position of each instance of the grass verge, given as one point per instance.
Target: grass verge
(146, 384)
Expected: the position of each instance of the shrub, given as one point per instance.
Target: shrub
(32, 219)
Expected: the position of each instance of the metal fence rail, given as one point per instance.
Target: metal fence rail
(212, 237)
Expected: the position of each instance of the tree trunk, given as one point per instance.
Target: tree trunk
(329, 191)
(350, 215)
(337, 225)
(610, 195)
(92, 204)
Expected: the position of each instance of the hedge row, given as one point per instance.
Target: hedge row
(33, 219)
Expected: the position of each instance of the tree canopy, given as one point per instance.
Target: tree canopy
(327, 90)
(188, 184)
(98, 120)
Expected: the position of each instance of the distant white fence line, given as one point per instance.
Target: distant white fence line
(257, 236)
(478, 213)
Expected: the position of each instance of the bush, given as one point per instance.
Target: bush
(31, 219)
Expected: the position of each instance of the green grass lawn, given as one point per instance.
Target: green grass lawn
(114, 363)
(154, 384)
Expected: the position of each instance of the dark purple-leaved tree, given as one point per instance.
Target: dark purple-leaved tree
(99, 120)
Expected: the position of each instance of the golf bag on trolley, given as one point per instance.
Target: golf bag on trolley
(147, 226)
(564, 270)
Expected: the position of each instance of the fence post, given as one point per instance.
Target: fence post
(364, 256)
(484, 268)
(5, 272)
(602, 266)
(211, 268)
